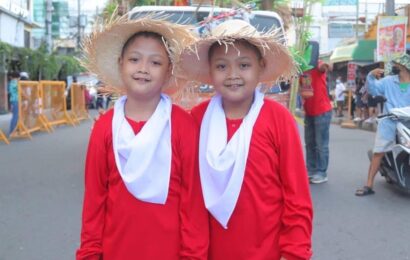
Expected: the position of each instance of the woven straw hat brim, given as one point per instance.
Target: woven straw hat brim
(403, 60)
(102, 49)
(279, 63)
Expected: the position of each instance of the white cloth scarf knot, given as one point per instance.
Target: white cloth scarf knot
(221, 163)
(144, 160)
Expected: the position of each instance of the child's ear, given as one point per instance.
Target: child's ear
(262, 63)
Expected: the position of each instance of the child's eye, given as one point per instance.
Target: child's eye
(220, 66)
(133, 59)
(244, 65)
(157, 63)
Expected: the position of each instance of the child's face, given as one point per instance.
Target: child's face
(235, 75)
(145, 67)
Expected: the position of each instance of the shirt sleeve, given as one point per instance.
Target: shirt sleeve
(95, 194)
(193, 214)
(375, 86)
(296, 232)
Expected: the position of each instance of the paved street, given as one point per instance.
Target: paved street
(41, 186)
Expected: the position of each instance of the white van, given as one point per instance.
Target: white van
(262, 20)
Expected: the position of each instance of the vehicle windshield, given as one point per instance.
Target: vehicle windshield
(261, 22)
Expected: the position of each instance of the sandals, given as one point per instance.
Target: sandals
(364, 191)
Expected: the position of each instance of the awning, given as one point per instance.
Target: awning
(364, 51)
(361, 52)
(343, 53)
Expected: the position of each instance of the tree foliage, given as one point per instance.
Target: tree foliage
(39, 64)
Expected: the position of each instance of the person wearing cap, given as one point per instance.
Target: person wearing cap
(395, 88)
(252, 170)
(24, 75)
(142, 197)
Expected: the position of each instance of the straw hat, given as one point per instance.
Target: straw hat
(102, 49)
(193, 61)
(403, 60)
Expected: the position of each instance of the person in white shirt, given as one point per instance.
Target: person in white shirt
(340, 96)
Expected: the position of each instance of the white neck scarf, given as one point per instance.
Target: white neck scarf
(144, 160)
(222, 165)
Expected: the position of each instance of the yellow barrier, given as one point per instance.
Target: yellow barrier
(78, 103)
(54, 106)
(30, 118)
(3, 137)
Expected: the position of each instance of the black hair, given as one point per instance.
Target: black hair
(146, 34)
(15, 74)
(244, 43)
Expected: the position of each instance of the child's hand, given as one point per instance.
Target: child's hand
(377, 72)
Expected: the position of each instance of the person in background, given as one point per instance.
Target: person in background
(24, 75)
(361, 107)
(318, 114)
(340, 96)
(396, 89)
(14, 107)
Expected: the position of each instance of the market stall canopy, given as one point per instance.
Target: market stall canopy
(362, 52)
(343, 53)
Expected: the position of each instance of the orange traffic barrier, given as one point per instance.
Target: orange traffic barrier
(78, 103)
(3, 137)
(54, 108)
(30, 118)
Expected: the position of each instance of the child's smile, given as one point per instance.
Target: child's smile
(141, 79)
(234, 84)
(235, 72)
(145, 67)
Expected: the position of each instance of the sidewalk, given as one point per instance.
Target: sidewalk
(359, 125)
(5, 122)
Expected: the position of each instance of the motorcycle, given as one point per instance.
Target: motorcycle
(395, 165)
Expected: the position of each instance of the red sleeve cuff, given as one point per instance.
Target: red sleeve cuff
(289, 256)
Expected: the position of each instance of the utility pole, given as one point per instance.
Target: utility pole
(365, 15)
(390, 6)
(78, 23)
(357, 20)
(49, 11)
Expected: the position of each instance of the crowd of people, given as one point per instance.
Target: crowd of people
(365, 107)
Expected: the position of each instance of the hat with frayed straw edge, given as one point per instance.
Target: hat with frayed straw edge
(279, 64)
(102, 49)
(403, 60)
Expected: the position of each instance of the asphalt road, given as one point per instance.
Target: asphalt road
(41, 186)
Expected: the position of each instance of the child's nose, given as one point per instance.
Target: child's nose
(142, 67)
(233, 73)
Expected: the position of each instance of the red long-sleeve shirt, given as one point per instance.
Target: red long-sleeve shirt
(273, 215)
(116, 225)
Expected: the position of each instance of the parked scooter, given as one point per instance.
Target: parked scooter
(395, 165)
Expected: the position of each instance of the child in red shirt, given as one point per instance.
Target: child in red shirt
(253, 174)
(142, 196)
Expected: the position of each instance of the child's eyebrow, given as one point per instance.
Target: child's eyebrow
(244, 58)
(149, 55)
(219, 59)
